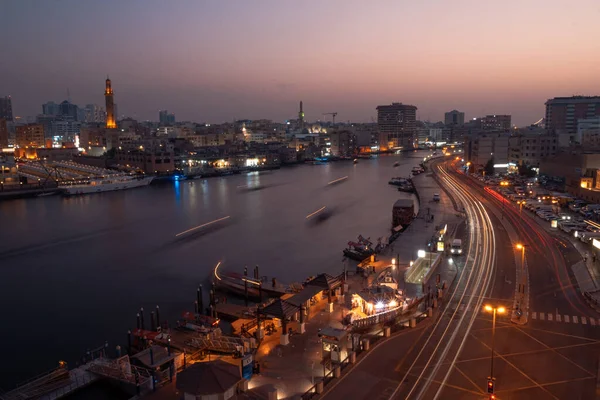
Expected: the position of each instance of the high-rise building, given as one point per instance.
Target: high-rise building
(3, 133)
(562, 113)
(69, 110)
(301, 116)
(396, 123)
(165, 117)
(454, 117)
(50, 108)
(6, 111)
(30, 135)
(111, 122)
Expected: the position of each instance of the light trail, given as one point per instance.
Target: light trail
(316, 212)
(477, 272)
(202, 226)
(343, 178)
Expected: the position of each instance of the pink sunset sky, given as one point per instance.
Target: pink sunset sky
(214, 61)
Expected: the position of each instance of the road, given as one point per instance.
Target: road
(553, 356)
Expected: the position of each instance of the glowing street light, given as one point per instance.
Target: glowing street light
(494, 311)
(421, 253)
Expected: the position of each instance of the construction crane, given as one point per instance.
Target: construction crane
(333, 114)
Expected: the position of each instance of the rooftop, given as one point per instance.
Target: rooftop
(207, 378)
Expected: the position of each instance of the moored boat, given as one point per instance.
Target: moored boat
(107, 184)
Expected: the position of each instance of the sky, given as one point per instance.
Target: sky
(215, 61)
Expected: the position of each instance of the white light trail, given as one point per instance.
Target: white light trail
(202, 226)
(343, 178)
(316, 212)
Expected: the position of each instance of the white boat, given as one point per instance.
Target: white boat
(107, 184)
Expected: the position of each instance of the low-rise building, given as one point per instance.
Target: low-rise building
(480, 148)
(342, 143)
(151, 162)
(30, 135)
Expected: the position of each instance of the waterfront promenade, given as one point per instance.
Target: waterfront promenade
(293, 369)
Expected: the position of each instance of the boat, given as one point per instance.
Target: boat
(236, 284)
(398, 181)
(355, 161)
(407, 188)
(359, 250)
(396, 164)
(417, 170)
(107, 184)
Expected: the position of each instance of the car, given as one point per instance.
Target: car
(436, 197)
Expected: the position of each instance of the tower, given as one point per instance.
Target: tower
(110, 106)
(301, 116)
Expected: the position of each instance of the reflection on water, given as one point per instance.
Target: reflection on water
(75, 270)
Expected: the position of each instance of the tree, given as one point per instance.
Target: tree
(526, 170)
(489, 167)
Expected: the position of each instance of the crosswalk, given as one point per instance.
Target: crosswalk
(540, 316)
(568, 319)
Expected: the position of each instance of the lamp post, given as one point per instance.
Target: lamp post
(521, 247)
(494, 311)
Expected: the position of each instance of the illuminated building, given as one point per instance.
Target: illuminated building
(110, 106)
(397, 126)
(301, 116)
(30, 135)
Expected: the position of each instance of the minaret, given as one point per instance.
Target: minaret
(301, 116)
(110, 106)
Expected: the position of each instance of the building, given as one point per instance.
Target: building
(111, 122)
(6, 111)
(481, 148)
(563, 113)
(3, 134)
(530, 148)
(65, 131)
(454, 117)
(165, 117)
(212, 380)
(94, 113)
(68, 110)
(151, 162)
(587, 129)
(495, 122)
(575, 168)
(301, 116)
(51, 108)
(30, 135)
(342, 143)
(397, 126)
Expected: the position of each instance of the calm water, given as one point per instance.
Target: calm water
(76, 270)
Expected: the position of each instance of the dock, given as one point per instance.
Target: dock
(233, 312)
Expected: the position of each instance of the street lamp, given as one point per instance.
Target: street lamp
(520, 203)
(494, 311)
(521, 247)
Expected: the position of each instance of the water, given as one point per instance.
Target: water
(76, 270)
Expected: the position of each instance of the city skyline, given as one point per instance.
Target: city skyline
(268, 56)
